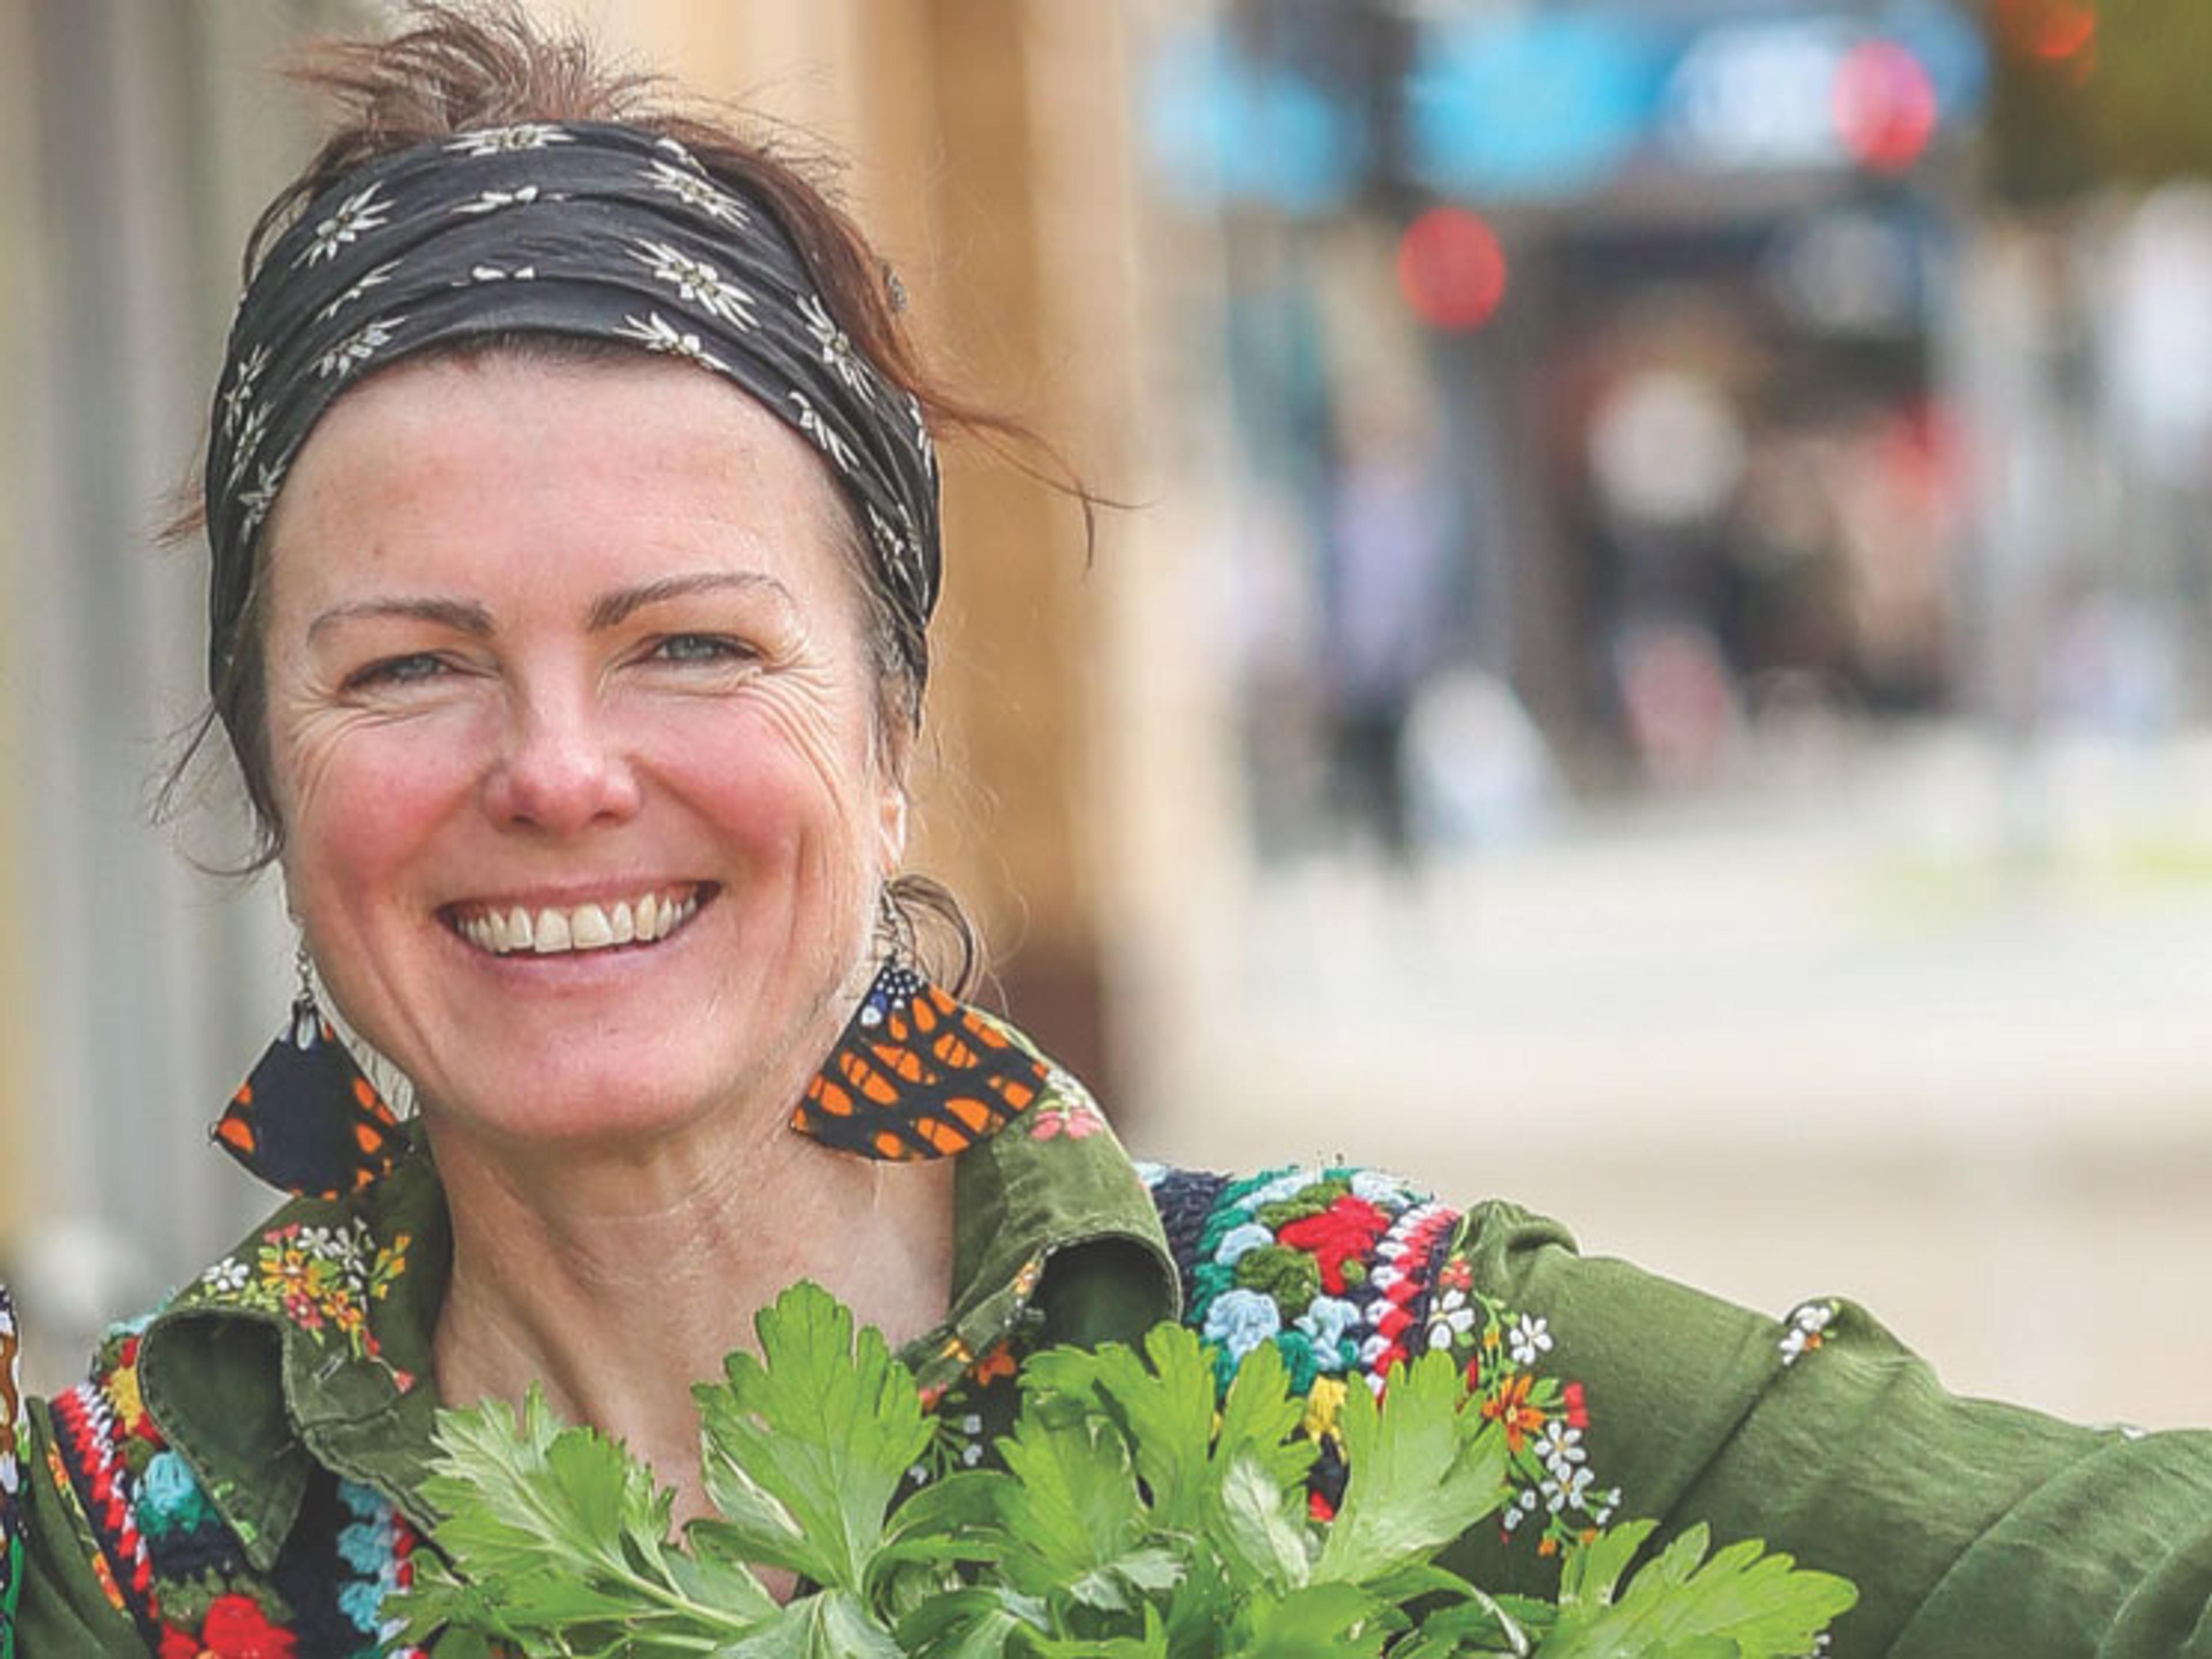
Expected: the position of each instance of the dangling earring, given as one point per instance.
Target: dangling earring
(305, 1119)
(917, 1074)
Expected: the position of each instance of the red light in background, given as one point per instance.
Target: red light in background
(1452, 268)
(2055, 30)
(1885, 106)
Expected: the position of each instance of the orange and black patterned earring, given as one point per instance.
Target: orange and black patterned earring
(306, 1120)
(917, 1074)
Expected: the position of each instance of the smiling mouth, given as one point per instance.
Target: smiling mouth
(568, 930)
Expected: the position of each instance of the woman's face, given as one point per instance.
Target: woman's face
(560, 654)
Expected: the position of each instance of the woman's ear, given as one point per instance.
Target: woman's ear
(891, 827)
(894, 750)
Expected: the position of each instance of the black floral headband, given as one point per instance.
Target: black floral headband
(585, 229)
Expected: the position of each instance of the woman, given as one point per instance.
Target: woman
(573, 522)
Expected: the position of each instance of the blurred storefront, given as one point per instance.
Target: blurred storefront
(1688, 630)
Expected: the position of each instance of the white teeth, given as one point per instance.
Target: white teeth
(587, 928)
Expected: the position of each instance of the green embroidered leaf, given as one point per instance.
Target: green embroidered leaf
(1740, 1603)
(1420, 1473)
(805, 1448)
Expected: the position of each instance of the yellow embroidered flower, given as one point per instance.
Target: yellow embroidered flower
(1323, 1401)
(123, 1395)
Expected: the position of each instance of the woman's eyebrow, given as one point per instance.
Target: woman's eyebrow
(612, 609)
(462, 615)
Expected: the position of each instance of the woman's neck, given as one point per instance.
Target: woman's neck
(615, 1280)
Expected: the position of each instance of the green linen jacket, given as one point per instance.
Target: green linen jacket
(240, 1475)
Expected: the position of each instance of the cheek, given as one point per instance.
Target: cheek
(359, 801)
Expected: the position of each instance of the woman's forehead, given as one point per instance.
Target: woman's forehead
(613, 464)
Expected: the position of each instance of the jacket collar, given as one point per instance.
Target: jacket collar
(310, 1343)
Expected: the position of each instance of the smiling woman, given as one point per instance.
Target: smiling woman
(573, 513)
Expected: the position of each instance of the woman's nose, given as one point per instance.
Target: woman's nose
(561, 770)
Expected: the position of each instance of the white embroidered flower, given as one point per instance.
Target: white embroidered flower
(357, 347)
(503, 141)
(697, 282)
(1807, 1325)
(359, 213)
(227, 1278)
(1558, 1444)
(656, 333)
(836, 350)
(495, 274)
(360, 285)
(494, 201)
(698, 191)
(1563, 1487)
(1529, 1337)
(1600, 1512)
(1522, 1506)
(1452, 1318)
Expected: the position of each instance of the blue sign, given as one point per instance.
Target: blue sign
(1537, 105)
(1219, 126)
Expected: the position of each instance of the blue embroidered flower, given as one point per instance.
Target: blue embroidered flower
(1240, 1242)
(1326, 1320)
(1240, 1320)
(365, 1545)
(169, 1499)
(364, 1503)
(362, 1600)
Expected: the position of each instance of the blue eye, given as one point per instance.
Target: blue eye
(409, 670)
(704, 648)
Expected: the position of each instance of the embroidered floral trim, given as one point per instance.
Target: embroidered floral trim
(1349, 1273)
(321, 1279)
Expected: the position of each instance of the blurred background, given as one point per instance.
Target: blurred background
(1654, 662)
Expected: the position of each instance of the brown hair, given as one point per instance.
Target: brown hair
(460, 67)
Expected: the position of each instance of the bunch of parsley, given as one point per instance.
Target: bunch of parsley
(1132, 1520)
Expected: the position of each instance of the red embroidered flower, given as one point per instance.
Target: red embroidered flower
(1345, 1231)
(1577, 1412)
(235, 1628)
